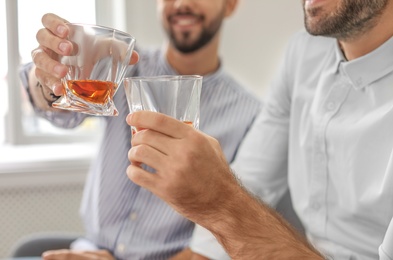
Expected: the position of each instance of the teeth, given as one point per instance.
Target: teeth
(185, 22)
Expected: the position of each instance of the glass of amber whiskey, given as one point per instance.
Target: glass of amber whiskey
(96, 67)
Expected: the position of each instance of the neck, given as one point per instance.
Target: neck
(201, 62)
(372, 39)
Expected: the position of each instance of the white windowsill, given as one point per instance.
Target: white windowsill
(49, 163)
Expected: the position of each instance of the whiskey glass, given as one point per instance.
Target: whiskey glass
(96, 67)
(175, 95)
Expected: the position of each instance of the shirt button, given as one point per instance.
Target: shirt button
(133, 216)
(121, 248)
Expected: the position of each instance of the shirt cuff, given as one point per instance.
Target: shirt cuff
(204, 243)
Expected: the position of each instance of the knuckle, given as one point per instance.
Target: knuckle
(134, 173)
(143, 136)
(40, 34)
(196, 138)
(35, 53)
(214, 142)
(38, 73)
(135, 120)
(137, 152)
(129, 155)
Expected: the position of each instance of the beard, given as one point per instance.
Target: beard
(185, 44)
(350, 19)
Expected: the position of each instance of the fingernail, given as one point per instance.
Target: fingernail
(61, 29)
(58, 70)
(63, 46)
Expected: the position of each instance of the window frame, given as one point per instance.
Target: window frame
(109, 13)
(13, 127)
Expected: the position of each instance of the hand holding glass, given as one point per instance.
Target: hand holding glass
(176, 96)
(96, 67)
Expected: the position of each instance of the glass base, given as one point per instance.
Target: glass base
(107, 109)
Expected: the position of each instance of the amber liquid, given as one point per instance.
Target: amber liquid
(186, 122)
(94, 91)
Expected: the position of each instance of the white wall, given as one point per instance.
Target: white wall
(253, 38)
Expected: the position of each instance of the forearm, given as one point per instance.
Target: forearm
(193, 176)
(249, 229)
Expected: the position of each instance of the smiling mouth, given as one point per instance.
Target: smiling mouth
(184, 20)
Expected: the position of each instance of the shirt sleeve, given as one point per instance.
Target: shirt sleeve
(204, 243)
(386, 248)
(63, 119)
(262, 159)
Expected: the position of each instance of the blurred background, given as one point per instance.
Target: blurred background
(42, 168)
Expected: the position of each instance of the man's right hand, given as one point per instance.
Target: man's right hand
(52, 40)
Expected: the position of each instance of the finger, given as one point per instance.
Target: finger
(142, 177)
(66, 254)
(158, 122)
(99, 255)
(156, 140)
(53, 34)
(51, 41)
(147, 155)
(46, 63)
(61, 254)
(48, 81)
(55, 24)
(134, 58)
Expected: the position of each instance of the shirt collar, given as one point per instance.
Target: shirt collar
(365, 70)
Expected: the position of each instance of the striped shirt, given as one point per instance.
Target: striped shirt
(121, 216)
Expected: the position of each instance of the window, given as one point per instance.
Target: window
(22, 19)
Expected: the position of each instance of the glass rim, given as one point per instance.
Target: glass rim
(163, 78)
(100, 27)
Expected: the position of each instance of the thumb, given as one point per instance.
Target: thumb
(134, 58)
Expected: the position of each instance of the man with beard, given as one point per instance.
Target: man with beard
(120, 217)
(325, 133)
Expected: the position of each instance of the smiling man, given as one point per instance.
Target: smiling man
(325, 133)
(123, 220)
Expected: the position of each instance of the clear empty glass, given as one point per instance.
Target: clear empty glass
(176, 96)
(97, 66)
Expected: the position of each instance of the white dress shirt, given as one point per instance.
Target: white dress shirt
(326, 132)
